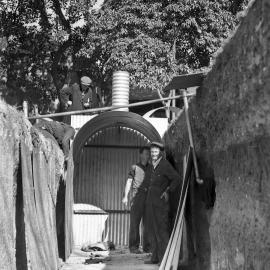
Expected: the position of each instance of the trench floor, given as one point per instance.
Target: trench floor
(119, 259)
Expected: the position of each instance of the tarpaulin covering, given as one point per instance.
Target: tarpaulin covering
(31, 167)
(39, 203)
(7, 195)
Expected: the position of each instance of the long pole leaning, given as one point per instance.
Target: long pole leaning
(103, 109)
(197, 175)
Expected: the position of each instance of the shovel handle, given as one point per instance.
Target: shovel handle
(198, 179)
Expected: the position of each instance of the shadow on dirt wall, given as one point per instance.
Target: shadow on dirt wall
(60, 218)
(20, 245)
(199, 205)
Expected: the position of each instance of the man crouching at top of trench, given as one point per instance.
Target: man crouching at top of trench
(163, 179)
(138, 187)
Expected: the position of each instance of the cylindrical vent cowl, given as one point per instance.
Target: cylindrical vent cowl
(120, 89)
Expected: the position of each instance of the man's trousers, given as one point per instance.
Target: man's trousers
(137, 214)
(158, 227)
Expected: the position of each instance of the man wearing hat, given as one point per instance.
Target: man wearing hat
(79, 97)
(163, 179)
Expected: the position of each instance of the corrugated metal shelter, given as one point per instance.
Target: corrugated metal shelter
(104, 150)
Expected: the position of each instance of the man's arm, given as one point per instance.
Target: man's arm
(128, 185)
(65, 93)
(174, 179)
(67, 136)
(127, 189)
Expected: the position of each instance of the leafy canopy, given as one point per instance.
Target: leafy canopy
(42, 40)
(155, 40)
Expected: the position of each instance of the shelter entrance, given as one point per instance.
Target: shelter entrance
(101, 169)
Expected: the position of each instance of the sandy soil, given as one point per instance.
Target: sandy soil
(119, 259)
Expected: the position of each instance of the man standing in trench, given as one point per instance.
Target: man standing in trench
(138, 187)
(163, 179)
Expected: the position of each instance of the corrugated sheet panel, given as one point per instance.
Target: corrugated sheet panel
(103, 168)
(88, 228)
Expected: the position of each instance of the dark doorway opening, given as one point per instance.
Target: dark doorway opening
(21, 259)
(60, 218)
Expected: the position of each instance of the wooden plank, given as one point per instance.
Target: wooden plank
(173, 257)
(167, 258)
(185, 81)
(174, 251)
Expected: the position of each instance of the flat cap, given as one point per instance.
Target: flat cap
(157, 144)
(86, 80)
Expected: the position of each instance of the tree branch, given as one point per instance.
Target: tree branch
(56, 59)
(40, 5)
(58, 11)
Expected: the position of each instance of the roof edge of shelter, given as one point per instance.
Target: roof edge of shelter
(111, 119)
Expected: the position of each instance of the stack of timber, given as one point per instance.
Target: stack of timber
(171, 257)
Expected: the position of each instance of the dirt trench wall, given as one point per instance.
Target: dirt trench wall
(31, 168)
(231, 122)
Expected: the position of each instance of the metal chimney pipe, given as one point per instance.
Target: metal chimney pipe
(120, 89)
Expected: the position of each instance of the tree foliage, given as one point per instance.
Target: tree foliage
(155, 40)
(41, 40)
(41, 37)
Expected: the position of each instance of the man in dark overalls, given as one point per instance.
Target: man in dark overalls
(163, 179)
(79, 97)
(138, 187)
